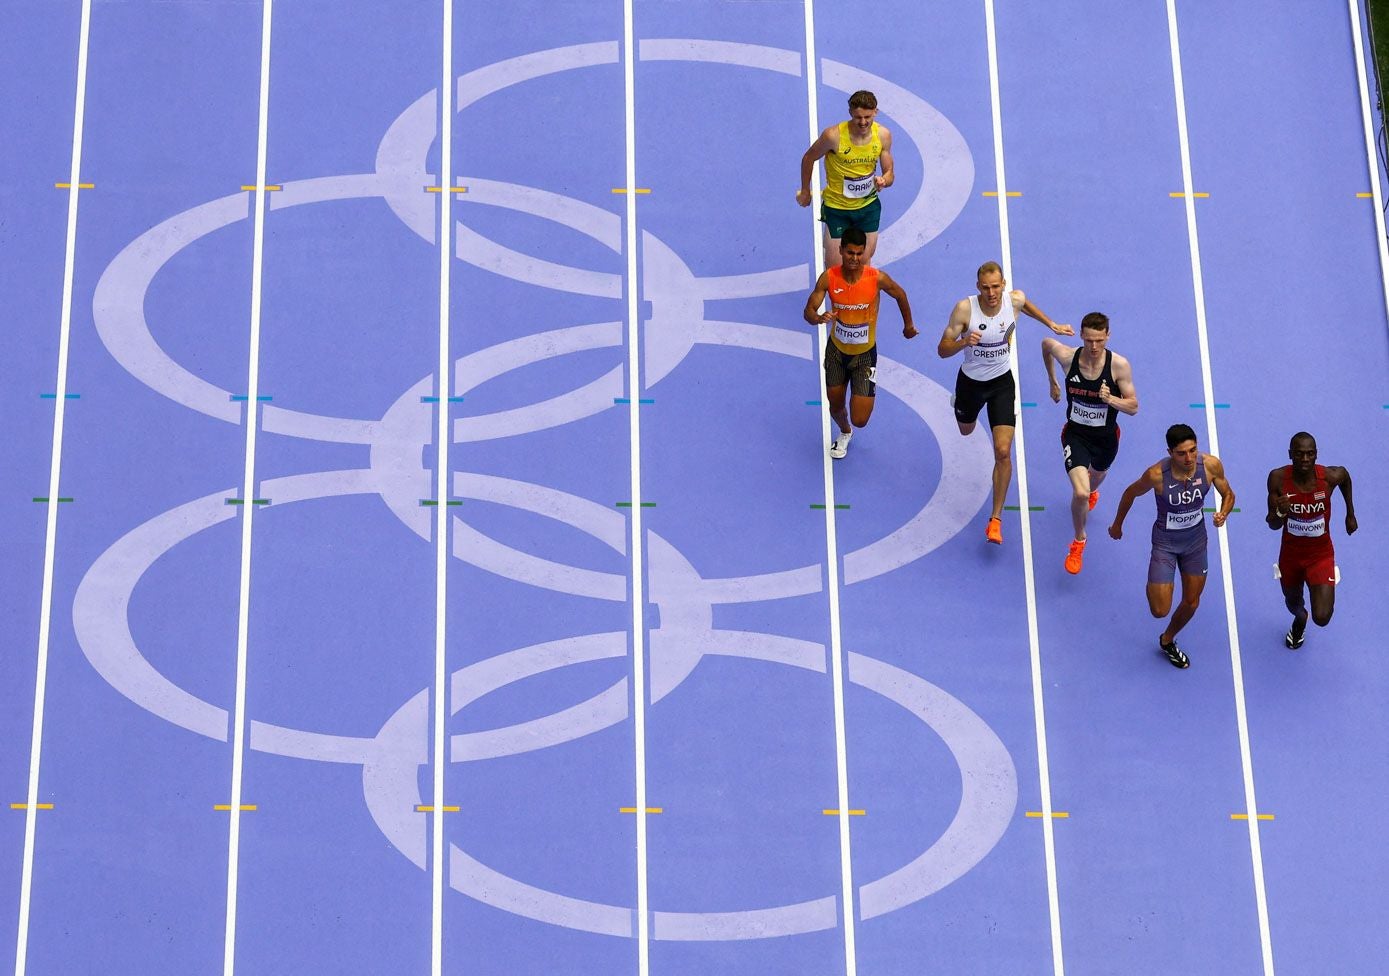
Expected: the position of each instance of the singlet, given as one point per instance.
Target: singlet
(1308, 527)
(991, 357)
(855, 329)
(849, 171)
(1179, 503)
(1083, 404)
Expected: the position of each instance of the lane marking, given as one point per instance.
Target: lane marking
(1245, 816)
(260, 186)
(841, 749)
(443, 435)
(46, 498)
(1365, 196)
(440, 189)
(50, 539)
(851, 813)
(648, 809)
(1227, 577)
(245, 398)
(1218, 406)
(27, 806)
(624, 189)
(1371, 156)
(54, 396)
(1033, 642)
(1057, 814)
(1009, 193)
(69, 186)
(636, 547)
(1199, 196)
(429, 808)
(243, 615)
(239, 806)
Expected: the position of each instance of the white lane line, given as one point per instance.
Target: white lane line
(50, 542)
(634, 422)
(1246, 762)
(1029, 581)
(1367, 117)
(841, 751)
(248, 494)
(443, 386)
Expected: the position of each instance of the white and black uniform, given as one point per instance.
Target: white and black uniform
(986, 378)
(1090, 437)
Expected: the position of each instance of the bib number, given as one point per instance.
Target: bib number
(1089, 415)
(858, 187)
(851, 335)
(1183, 520)
(1307, 530)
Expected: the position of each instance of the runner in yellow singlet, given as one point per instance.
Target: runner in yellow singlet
(851, 348)
(854, 152)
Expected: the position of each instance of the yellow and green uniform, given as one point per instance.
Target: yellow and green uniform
(849, 171)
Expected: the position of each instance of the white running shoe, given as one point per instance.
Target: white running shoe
(840, 447)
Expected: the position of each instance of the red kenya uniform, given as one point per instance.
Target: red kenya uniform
(1307, 555)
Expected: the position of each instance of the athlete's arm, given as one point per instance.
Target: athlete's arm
(817, 298)
(892, 288)
(1277, 501)
(1127, 400)
(1051, 349)
(826, 143)
(1340, 478)
(1147, 481)
(1216, 471)
(885, 160)
(1021, 304)
(956, 336)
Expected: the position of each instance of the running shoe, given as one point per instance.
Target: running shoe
(1293, 643)
(994, 533)
(1074, 557)
(840, 447)
(1094, 499)
(1174, 654)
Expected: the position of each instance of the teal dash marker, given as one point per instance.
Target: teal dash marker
(243, 398)
(66, 396)
(629, 400)
(812, 403)
(434, 399)
(1218, 406)
(1029, 404)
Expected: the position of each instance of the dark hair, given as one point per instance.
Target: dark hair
(1095, 320)
(863, 99)
(1178, 434)
(855, 236)
(1302, 435)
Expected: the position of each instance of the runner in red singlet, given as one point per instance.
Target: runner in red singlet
(1299, 503)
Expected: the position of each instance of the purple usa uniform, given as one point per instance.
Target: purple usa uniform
(1179, 534)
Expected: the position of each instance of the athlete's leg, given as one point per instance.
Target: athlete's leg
(860, 409)
(838, 414)
(1003, 467)
(870, 246)
(1292, 599)
(832, 250)
(1159, 599)
(1080, 498)
(1323, 604)
(1191, 599)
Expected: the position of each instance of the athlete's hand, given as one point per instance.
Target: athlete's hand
(1116, 531)
(1218, 519)
(880, 182)
(1062, 329)
(1351, 524)
(1280, 505)
(1104, 392)
(970, 338)
(803, 197)
(909, 330)
(1055, 392)
(827, 317)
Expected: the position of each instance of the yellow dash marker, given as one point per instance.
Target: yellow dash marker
(1179, 194)
(852, 813)
(1007, 193)
(25, 806)
(623, 189)
(440, 189)
(227, 806)
(1365, 196)
(1056, 814)
(268, 188)
(92, 186)
(429, 809)
(634, 810)
(1245, 816)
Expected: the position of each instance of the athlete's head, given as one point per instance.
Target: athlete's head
(989, 281)
(852, 245)
(1181, 444)
(1094, 332)
(863, 109)
(1302, 451)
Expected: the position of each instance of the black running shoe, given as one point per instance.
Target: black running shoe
(1174, 654)
(1293, 643)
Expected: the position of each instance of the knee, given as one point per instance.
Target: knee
(1002, 455)
(1082, 494)
(1321, 617)
(860, 421)
(1191, 602)
(1157, 611)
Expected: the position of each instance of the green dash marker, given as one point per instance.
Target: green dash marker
(230, 501)
(44, 499)
(66, 396)
(1030, 508)
(1232, 511)
(837, 507)
(629, 504)
(432, 503)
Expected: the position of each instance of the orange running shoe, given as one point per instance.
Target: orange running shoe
(1074, 557)
(994, 533)
(1094, 498)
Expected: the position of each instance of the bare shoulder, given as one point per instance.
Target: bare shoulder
(1213, 466)
(1154, 475)
(1119, 364)
(1275, 478)
(1336, 475)
(960, 314)
(885, 135)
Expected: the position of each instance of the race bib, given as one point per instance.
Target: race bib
(1183, 520)
(851, 335)
(1308, 529)
(1090, 415)
(858, 187)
